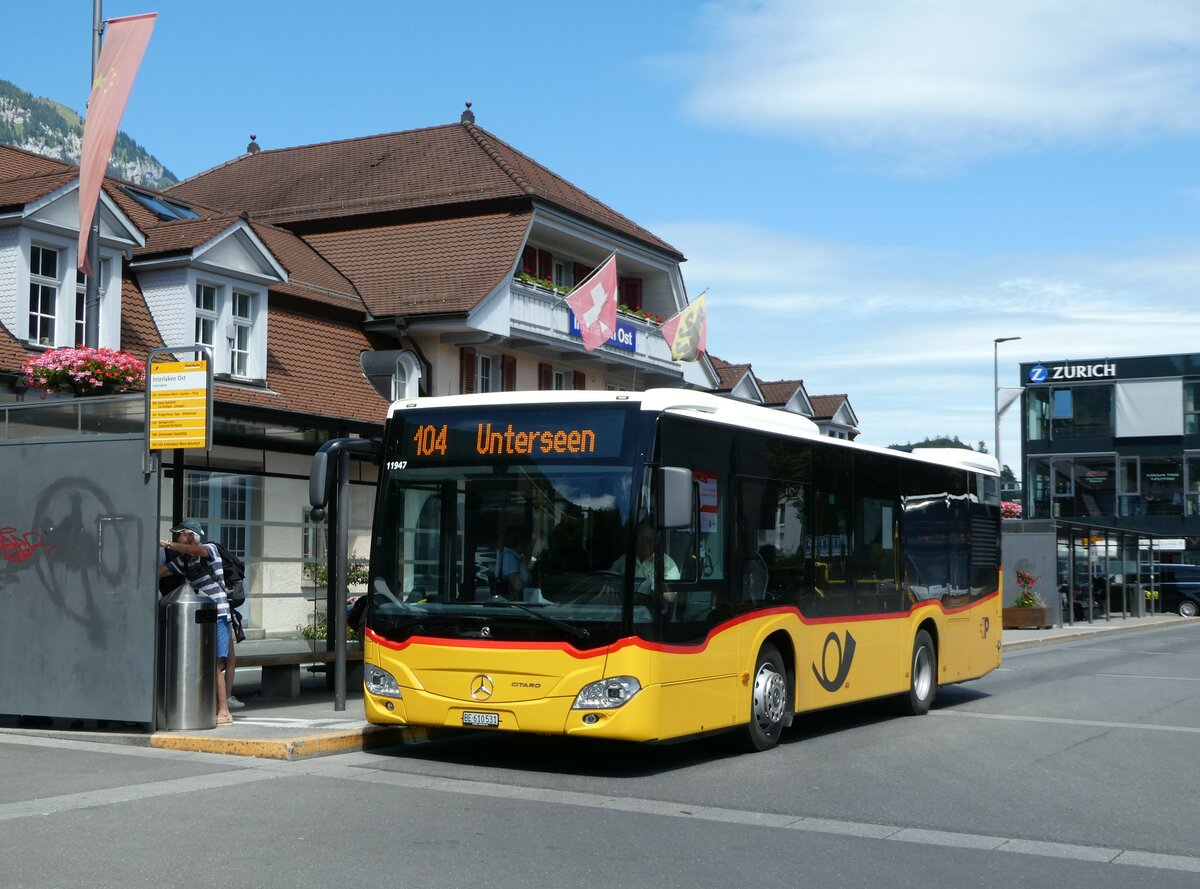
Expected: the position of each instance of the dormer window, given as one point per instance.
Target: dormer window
(206, 314)
(242, 309)
(44, 285)
(229, 319)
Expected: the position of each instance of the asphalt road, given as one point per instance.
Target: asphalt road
(1073, 765)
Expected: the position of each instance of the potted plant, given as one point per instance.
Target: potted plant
(85, 371)
(1028, 609)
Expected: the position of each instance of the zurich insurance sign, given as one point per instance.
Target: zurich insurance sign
(1041, 373)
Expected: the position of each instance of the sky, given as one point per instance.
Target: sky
(870, 192)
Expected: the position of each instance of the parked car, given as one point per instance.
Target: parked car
(1177, 587)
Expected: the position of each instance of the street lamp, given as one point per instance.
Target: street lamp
(996, 388)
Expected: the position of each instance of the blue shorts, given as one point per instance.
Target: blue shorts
(222, 638)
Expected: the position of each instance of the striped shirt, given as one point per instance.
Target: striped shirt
(194, 569)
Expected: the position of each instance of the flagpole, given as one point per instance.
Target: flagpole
(562, 296)
(91, 298)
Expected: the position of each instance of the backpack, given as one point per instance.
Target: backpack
(234, 570)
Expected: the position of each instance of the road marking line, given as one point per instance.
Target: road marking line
(857, 829)
(111, 796)
(1056, 720)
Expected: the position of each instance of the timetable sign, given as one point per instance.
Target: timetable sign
(179, 414)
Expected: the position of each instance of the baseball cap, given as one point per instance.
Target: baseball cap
(189, 525)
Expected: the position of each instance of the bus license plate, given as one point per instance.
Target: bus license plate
(481, 720)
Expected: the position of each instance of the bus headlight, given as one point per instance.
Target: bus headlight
(381, 682)
(607, 694)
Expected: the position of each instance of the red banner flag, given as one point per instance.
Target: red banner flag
(124, 45)
(594, 303)
(687, 332)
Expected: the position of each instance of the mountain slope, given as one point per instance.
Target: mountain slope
(53, 130)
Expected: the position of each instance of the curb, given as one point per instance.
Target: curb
(1086, 633)
(295, 748)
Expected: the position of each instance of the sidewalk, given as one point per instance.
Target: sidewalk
(309, 726)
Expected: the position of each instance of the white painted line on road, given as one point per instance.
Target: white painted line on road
(1154, 678)
(341, 771)
(90, 799)
(1057, 720)
(857, 829)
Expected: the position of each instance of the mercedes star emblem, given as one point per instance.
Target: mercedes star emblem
(482, 687)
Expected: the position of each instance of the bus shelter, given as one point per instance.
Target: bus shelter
(79, 528)
(1089, 571)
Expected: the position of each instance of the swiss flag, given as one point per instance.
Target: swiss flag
(594, 303)
(124, 45)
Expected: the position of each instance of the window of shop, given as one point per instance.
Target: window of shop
(1162, 485)
(1039, 489)
(1130, 486)
(1037, 414)
(1191, 408)
(1081, 412)
(1191, 504)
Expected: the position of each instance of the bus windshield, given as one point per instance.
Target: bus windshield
(522, 545)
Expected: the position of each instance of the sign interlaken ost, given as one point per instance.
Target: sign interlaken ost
(179, 408)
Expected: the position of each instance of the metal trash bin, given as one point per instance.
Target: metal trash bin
(187, 661)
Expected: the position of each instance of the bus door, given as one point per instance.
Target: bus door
(936, 561)
(699, 661)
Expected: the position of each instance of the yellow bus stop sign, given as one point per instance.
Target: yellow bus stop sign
(179, 405)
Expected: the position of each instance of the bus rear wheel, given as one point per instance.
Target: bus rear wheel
(922, 686)
(768, 701)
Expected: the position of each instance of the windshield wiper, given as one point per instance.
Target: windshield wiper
(571, 629)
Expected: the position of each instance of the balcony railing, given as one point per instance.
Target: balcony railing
(537, 310)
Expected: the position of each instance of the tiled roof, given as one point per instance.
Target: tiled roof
(139, 333)
(17, 163)
(444, 265)
(826, 406)
(324, 380)
(182, 236)
(309, 275)
(19, 192)
(728, 374)
(778, 392)
(12, 351)
(444, 166)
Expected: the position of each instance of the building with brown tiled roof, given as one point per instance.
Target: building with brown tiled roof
(461, 248)
(832, 413)
(327, 280)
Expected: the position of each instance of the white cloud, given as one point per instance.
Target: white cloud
(936, 81)
(913, 349)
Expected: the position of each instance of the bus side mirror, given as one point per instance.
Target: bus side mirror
(674, 491)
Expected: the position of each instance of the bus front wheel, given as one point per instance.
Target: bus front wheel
(922, 686)
(768, 701)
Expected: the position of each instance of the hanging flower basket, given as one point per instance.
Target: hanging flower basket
(85, 371)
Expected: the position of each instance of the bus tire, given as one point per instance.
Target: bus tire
(768, 701)
(922, 685)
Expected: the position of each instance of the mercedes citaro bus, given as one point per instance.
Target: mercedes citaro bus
(688, 564)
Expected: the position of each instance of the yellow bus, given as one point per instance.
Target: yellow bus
(667, 564)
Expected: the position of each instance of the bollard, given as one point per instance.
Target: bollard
(187, 661)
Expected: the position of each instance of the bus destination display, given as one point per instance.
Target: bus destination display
(536, 435)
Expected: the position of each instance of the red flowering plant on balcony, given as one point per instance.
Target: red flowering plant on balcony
(85, 371)
(1010, 509)
(640, 313)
